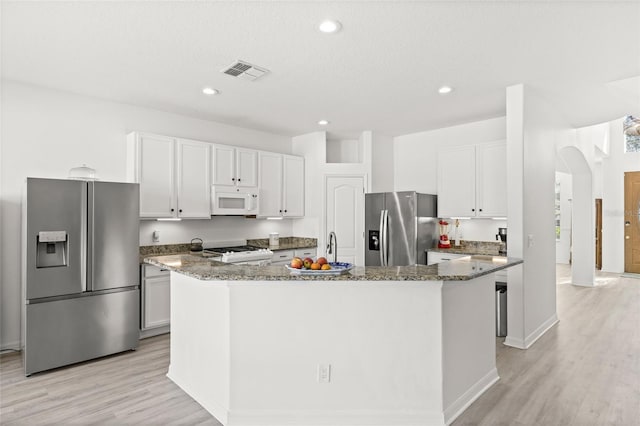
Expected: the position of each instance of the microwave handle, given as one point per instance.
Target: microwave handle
(251, 201)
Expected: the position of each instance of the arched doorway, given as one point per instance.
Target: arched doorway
(582, 219)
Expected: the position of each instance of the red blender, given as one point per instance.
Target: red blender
(444, 242)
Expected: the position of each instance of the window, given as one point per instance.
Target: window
(631, 128)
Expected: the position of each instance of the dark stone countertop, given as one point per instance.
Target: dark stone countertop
(206, 269)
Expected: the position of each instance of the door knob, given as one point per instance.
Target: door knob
(627, 223)
(627, 237)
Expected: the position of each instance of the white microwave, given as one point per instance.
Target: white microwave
(234, 201)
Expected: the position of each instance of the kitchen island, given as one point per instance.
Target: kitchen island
(409, 345)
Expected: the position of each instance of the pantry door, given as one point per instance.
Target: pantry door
(632, 222)
(345, 216)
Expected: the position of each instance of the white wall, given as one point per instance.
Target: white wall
(47, 132)
(533, 129)
(613, 168)
(382, 179)
(313, 146)
(602, 146)
(415, 158)
(479, 229)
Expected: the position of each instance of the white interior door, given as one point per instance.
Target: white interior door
(345, 216)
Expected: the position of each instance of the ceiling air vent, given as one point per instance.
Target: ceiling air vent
(245, 70)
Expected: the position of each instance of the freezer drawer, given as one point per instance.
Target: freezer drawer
(67, 331)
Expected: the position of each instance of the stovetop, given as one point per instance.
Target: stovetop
(234, 249)
(238, 252)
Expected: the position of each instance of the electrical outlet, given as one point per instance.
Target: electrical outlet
(530, 240)
(324, 373)
(156, 236)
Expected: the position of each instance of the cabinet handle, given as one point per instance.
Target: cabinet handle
(473, 210)
(180, 211)
(280, 210)
(233, 179)
(480, 209)
(239, 179)
(285, 211)
(173, 210)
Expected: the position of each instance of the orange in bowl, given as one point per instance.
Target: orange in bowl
(325, 267)
(315, 266)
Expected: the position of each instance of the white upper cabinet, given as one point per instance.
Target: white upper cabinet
(194, 194)
(173, 175)
(234, 166)
(151, 163)
(491, 179)
(246, 167)
(281, 184)
(456, 181)
(472, 180)
(293, 186)
(270, 184)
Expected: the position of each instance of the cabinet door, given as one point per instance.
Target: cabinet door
(194, 194)
(246, 167)
(293, 186)
(270, 184)
(155, 174)
(156, 301)
(224, 172)
(308, 252)
(491, 179)
(282, 257)
(434, 257)
(456, 182)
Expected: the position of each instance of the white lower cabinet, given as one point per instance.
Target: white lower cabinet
(155, 301)
(434, 257)
(282, 257)
(306, 252)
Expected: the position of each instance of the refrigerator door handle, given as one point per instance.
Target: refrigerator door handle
(381, 228)
(88, 229)
(385, 238)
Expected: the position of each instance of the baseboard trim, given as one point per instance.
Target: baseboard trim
(15, 345)
(630, 275)
(466, 399)
(334, 417)
(532, 337)
(218, 411)
(150, 332)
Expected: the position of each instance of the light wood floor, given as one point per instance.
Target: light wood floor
(584, 371)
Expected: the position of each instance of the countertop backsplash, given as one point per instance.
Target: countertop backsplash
(472, 247)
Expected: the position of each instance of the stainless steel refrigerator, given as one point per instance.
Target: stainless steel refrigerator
(80, 271)
(400, 226)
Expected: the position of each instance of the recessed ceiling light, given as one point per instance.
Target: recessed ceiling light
(210, 91)
(445, 89)
(323, 122)
(329, 26)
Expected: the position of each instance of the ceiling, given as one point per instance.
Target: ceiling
(380, 73)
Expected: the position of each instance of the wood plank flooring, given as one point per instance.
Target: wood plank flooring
(584, 371)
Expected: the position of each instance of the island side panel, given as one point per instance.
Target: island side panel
(199, 346)
(469, 342)
(382, 340)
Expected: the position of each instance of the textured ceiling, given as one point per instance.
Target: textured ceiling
(380, 73)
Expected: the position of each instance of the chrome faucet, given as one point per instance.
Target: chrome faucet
(332, 247)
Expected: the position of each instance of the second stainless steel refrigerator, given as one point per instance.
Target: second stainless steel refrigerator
(399, 226)
(80, 271)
